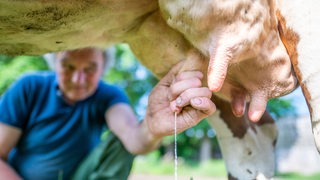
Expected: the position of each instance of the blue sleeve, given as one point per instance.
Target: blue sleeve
(15, 102)
(112, 95)
(117, 96)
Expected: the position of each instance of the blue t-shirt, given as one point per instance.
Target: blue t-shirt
(56, 136)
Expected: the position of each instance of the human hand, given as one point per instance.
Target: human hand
(182, 93)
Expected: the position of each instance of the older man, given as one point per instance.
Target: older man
(50, 122)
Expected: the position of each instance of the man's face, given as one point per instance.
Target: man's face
(79, 72)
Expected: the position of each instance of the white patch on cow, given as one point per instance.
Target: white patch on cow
(261, 177)
(303, 18)
(251, 157)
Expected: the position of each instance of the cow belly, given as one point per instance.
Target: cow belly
(38, 27)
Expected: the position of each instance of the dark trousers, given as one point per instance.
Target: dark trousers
(109, 161)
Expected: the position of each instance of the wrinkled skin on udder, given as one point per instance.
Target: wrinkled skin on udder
(247, 61)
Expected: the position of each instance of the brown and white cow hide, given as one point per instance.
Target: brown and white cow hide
(300, 32)
(280, 31)
(238, 40)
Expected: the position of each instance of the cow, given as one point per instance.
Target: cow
(265, 39)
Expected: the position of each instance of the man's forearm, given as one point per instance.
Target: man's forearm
(6, 172)
(140, 140)
(150, 141)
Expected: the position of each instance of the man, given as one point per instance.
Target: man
(49, 122)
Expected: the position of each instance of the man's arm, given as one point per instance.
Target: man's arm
(135, 136)
(182, 93)
(9, 137)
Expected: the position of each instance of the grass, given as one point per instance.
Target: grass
(208, 169)
(297, 176)
(151, 164)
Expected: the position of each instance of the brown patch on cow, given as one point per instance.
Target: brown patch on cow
(274, 142)
(290, 40)
(265, 119)
(239, 125)
(230, 177)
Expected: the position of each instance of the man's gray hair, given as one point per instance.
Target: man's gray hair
(108, 54)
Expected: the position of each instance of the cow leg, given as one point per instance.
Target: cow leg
(247, 148)
(300, 39)
(309, 82)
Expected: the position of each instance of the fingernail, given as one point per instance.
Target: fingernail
(178, 100)
(196, 101)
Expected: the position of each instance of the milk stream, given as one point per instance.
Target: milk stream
(175, 148)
